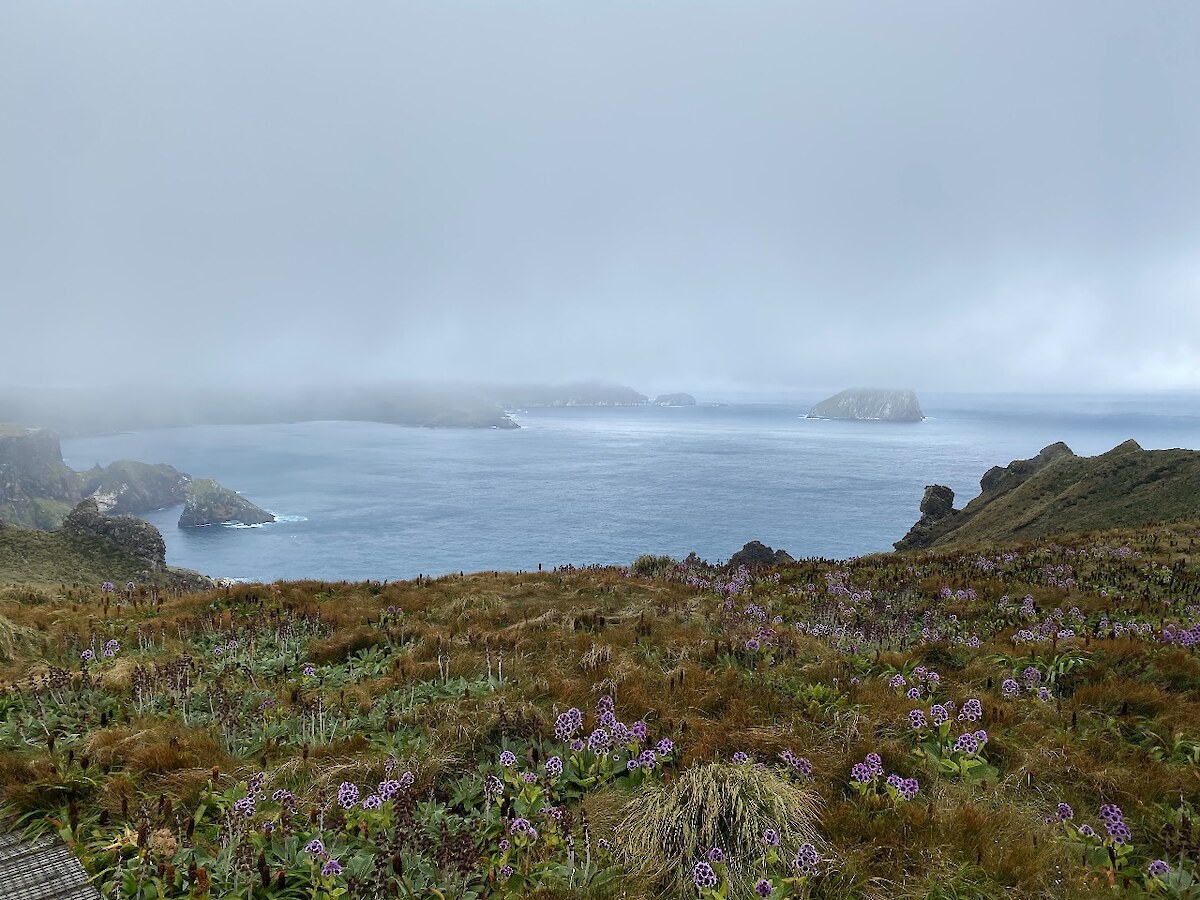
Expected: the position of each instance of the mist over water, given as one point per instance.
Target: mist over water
(603, 485)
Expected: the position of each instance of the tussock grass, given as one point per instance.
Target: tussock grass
(666, 828)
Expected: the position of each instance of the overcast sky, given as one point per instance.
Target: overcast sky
(674, 195)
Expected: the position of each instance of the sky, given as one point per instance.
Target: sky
(674, 195)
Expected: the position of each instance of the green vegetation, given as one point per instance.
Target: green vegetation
(1022, 722)
(30, 556)
(1127, 487)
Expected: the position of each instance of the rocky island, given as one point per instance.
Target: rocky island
(208, 503)
(870, 405)
(674, 400)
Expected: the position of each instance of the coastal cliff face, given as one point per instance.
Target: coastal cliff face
(1057, 491)
(36, 487)
(870, 404)
(126, 486)
(137, 538)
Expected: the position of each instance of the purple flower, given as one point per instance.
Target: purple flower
(771, 837)
(893, 780)
(703, 876)
(309, 671)
(972, 711)
(347, 795)
(111, 648)
(716, 854)
(665, 746)
(860, 773)
(938, 714)
(519, 826)
(245, 806)
(506, 872)
(874, 763)
(763, 888)
(374, 801)
(753, 645)
(504, 844)
(1087, 831)
(1158, 869)
(529, 777)
(1010, 687)
(639, 730)
(553, 766)
(508, 759)
(967, 744)
(314, 847)
(917, 720)
(332, 867)
(108, 587)
(1065, 812)
(577, 746)
(741, 758)
(806, 860)
(599, 741)
(909, 788)
(87, 655)
(631, 764)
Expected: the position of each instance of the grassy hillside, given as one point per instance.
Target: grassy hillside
(29, 556)
(592, 733)
(1125, 487)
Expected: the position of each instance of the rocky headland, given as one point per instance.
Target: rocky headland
(38, 490)
(870, 405)
(1057, 491)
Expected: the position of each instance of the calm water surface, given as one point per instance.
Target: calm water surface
(364, 500)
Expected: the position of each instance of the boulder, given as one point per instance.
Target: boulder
(757, 555)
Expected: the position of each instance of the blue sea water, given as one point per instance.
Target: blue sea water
(606, 484)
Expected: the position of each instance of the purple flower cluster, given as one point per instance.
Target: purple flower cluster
(807, 860)
(763, 888)
(508, 759)
(972, 711)
(347, 795)
(1114, 823)
(797, 763)
(703, 876)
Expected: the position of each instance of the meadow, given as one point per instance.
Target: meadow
(1013, 722)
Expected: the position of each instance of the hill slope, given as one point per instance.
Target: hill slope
(1057, 491)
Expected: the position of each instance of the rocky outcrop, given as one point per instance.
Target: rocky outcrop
(36, 487)
(135, 487)
(936, 506)
(757, 555)
(675, 400)
(133, 536)
(870, 404)
(208, 503)
(1059, 492)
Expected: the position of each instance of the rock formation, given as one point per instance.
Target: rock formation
(870, 404)
(757, 555)
(140, 539)
(208, 503)
(132, 487)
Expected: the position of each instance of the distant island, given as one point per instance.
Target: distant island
(39, 490)
(870, 405)
(674, 400)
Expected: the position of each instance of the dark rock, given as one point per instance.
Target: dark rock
(138, 538)
(999, 479)
(757, 555)
(937, 503)
(937, 510)
(208, 503)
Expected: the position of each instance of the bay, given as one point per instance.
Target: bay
(603, 485)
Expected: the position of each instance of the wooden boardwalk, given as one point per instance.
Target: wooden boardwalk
(41, 869)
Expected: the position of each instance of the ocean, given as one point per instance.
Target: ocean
(360, 500)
